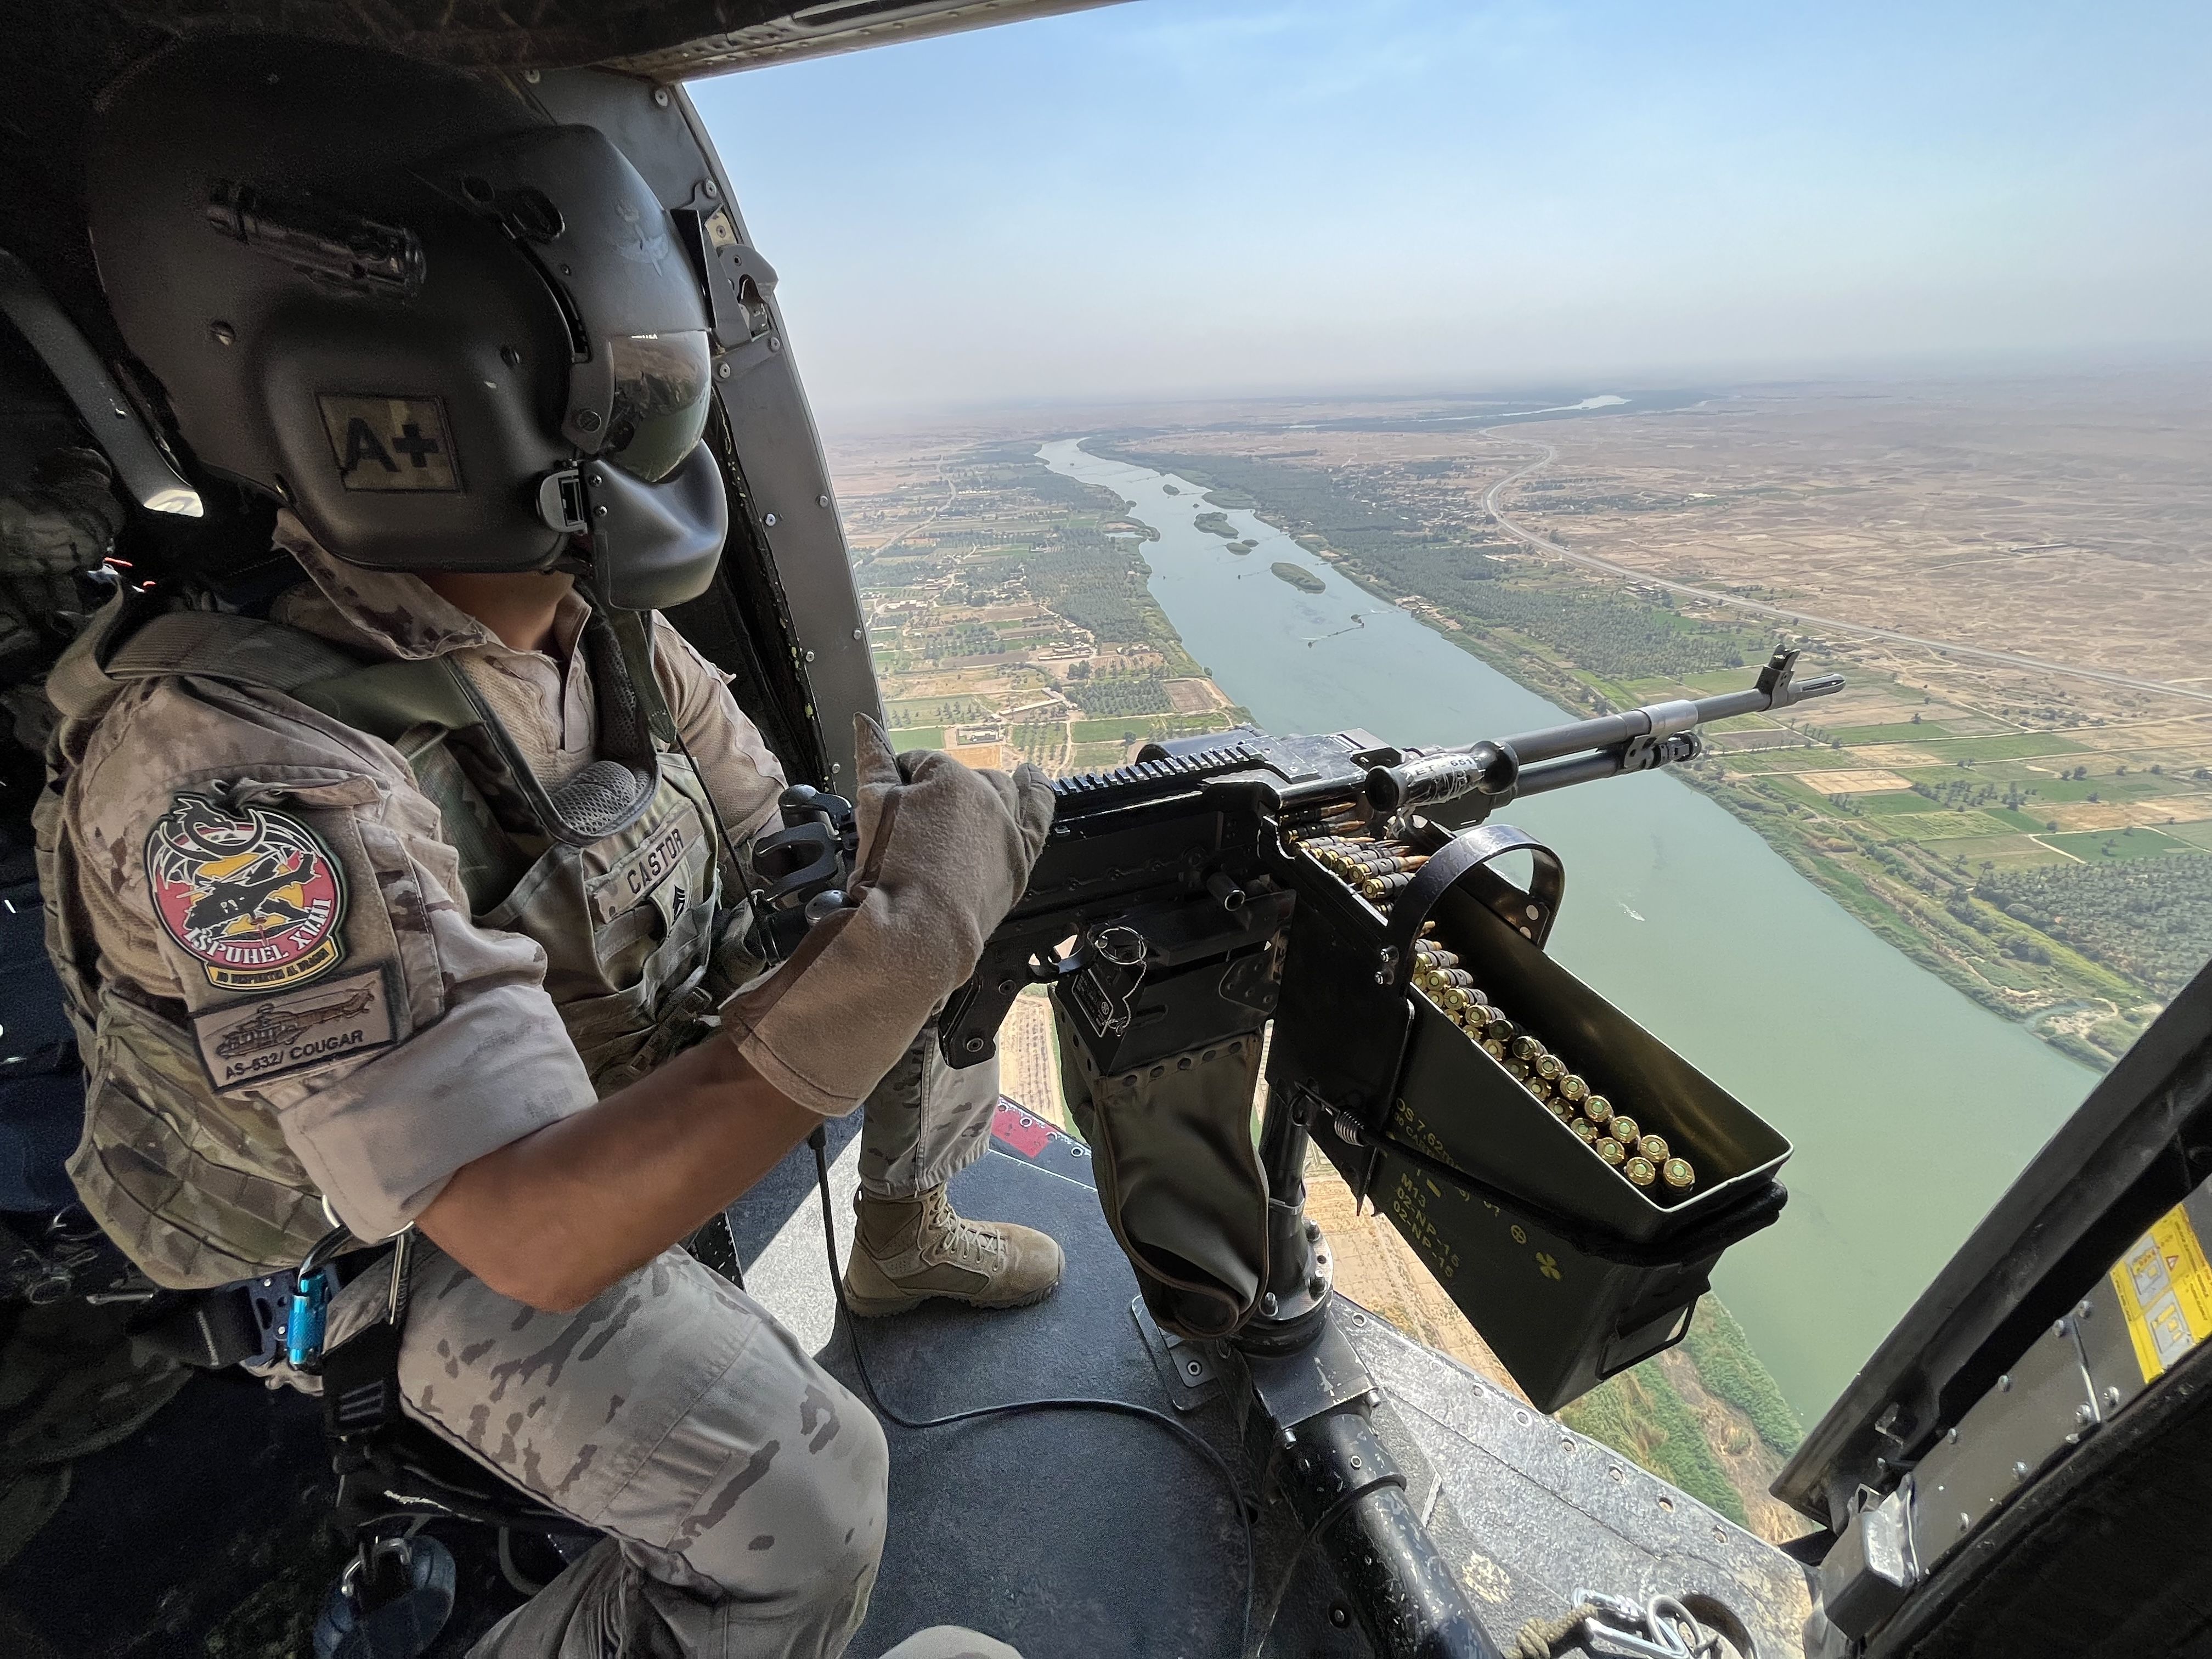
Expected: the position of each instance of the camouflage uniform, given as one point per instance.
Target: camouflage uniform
(295, 987)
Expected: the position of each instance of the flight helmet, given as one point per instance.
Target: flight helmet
(449, 333)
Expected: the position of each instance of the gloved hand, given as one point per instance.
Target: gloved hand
(945, 850)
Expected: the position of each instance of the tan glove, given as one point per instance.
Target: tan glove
(946, 849)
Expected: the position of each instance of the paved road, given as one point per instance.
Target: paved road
(951, 494)
(2010, 659)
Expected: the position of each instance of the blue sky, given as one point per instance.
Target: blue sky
(1184, 197)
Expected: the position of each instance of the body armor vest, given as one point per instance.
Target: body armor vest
(642, 930)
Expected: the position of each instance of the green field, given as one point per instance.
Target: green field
(1156, 725)
(1792, 760)
(936, 711)
(2135, 787)
(1944, 826)
(1906, 732)
(2024, 745)
(2092, 845)
(1900, 802)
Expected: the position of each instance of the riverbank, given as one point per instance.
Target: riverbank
(1998, 859)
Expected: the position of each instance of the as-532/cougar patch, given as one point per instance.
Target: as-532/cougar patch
(254, 896)
(249, 1043)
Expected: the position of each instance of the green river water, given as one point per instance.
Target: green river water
(1911, 1107)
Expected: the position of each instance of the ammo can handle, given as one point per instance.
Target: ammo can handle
(1467, 850)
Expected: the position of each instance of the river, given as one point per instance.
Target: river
(1911, 1107)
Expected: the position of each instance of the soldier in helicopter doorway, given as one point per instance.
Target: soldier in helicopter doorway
(413, 894)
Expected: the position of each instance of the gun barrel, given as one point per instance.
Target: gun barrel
(1601, 763)
(1499, 767)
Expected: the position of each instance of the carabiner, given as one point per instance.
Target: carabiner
(311, 1296)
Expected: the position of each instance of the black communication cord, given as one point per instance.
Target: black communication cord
(819, 1141)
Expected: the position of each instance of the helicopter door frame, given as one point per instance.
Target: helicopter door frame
(783, 615)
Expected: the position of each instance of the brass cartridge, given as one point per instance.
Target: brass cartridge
(1573, 1088)
(1609, 1149)
(1653, 1147)
(1388, 864)
(1640, 1171)
(1526, 1047)
(1677, 1172)
(1586, 1129)
(1598, 1109)
(1549, 1067)
(1501, 1031)
(1624, 1130)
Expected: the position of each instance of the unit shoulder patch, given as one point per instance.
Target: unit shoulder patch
(249, 1043)
(256, 898)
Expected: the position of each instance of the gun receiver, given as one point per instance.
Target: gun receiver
(1192, 836)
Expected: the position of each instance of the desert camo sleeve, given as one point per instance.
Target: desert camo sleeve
(271, 888)
(737, 767)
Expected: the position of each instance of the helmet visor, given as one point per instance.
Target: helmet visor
(662, 385)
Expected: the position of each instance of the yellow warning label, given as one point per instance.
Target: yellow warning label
(2164, 1288)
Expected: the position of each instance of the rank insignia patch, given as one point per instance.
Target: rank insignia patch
(390, 443)
(257, 899)
(248, 1043)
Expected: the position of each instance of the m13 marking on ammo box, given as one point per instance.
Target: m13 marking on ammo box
(390, 443)
(2164, 1288)
(247, 1044)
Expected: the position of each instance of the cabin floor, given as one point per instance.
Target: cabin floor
(1069, 1533)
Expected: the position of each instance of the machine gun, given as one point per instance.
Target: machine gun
(1450, 1070)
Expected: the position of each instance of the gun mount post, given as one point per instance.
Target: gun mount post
(1310, 1402)
(1299, 1279)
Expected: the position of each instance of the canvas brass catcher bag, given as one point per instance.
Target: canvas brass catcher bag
(1178, 1177)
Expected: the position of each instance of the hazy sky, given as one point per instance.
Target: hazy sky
(1196, 196)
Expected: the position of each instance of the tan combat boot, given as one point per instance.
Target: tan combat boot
(906, 1250)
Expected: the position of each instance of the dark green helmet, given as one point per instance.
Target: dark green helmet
(447, 332)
